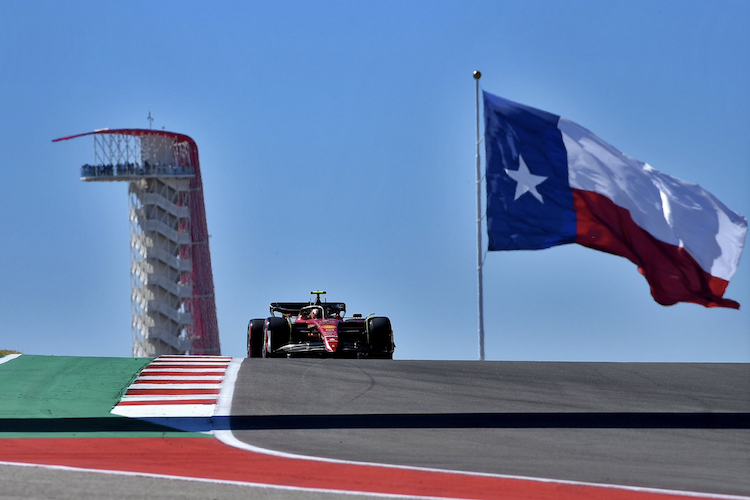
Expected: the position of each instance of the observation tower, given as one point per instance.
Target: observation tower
(172, 285)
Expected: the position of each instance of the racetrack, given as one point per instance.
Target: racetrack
(672, 426)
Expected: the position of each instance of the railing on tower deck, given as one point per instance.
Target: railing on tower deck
(133, 171)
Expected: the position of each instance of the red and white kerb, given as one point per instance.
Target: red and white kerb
(175, 386)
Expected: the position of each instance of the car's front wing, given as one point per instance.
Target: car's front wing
(318, 349)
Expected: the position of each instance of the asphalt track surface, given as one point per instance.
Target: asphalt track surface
(682, 427)
(669, 426)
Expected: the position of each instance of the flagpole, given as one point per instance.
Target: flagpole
(480, 285)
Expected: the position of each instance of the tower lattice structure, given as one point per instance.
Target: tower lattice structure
(172, 288)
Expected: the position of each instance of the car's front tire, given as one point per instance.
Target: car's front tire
(255, 338)
(380, 337)
(277, 334)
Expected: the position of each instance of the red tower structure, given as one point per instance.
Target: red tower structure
(173, 303)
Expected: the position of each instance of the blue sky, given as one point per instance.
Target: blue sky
(337, 150)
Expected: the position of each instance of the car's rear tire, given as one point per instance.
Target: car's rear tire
(380, 337)
(277, 334)
(255, 338)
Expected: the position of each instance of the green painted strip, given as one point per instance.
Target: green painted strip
(63, 396)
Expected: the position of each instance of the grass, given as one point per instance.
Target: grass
(5, 352)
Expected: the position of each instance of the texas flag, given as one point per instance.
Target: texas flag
(552, 182)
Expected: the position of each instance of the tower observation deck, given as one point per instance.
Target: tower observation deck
(172, 287)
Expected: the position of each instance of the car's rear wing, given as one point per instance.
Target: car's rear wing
(293, 308)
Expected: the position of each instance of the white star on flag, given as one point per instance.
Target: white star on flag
(526, 181)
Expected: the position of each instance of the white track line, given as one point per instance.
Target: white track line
(8, 357)
(192, 418)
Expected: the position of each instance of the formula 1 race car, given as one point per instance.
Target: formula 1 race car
(319, 329)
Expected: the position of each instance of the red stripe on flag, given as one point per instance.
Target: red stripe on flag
(674, 276)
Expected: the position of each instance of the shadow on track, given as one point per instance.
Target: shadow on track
(656, 420)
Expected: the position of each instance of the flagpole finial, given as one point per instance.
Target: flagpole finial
(477, 75)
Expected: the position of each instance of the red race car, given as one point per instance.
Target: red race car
(319, 329)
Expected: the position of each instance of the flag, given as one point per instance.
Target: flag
(552, 182)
